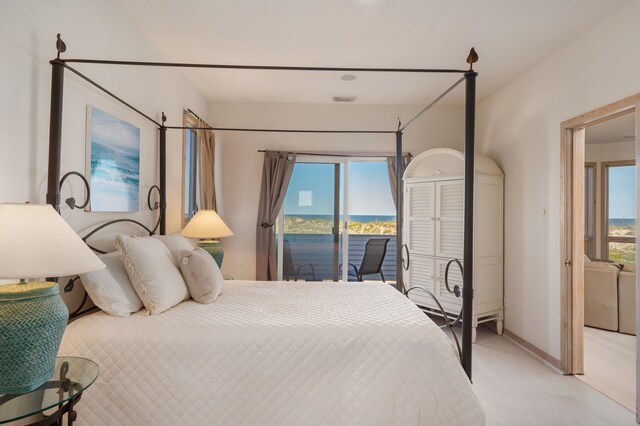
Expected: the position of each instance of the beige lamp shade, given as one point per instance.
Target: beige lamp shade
(206, 224)
(36, 242)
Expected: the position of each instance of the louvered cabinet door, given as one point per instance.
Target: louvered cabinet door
(449, 241)
(421, 273)
(420, 206)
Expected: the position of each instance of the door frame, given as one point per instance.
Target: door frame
(572, 147)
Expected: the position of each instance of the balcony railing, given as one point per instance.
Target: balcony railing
(317, 250)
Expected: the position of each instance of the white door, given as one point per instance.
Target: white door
(449, 238)
(420, 207)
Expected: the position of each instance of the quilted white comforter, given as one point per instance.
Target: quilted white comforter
(275, 353)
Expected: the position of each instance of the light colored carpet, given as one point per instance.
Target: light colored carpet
(516, 388)
(610, 365)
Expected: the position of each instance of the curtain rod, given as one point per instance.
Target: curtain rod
(238, 129)
(194, 114)
(262, 67)
(337, 154)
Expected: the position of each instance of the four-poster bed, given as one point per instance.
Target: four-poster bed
(59, 65)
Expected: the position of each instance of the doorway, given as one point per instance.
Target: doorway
(334, 207)
(591, 233)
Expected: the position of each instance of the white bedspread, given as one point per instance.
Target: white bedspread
(275, 353)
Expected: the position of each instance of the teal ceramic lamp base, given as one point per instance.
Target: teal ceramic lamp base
(32, 319)
(214, 248)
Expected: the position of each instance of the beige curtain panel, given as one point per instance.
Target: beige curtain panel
(207, 157)
(276, 174)
(391, 164)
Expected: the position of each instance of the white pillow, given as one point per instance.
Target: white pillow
(153, 274)
(176, 243)
(202, 275)
(110, 288)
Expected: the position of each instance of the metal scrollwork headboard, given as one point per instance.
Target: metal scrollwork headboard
(80, 310)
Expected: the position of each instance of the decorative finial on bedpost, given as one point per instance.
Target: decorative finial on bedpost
(164, 118)
(60, 46)
(472, 58)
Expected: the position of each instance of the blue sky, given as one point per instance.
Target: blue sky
(622, 192)
(311, 189)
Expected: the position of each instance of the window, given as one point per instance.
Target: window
(190, 170)
(619, 211)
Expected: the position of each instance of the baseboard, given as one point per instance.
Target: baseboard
(534, 350)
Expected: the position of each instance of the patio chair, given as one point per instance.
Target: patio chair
(290, 271)
(374, 252)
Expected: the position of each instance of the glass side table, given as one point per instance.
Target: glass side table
(71, 377)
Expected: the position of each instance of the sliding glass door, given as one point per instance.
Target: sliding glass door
(315, 243)
(310, 223)
(372, 220)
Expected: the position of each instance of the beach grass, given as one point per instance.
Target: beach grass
(301, 225)
(624, 253)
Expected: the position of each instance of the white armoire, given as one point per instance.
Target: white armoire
(433, 233)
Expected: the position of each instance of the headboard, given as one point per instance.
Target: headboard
(82, 308)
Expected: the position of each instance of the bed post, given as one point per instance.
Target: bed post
(399, 200)
(163, 176)
(469, 172)
(55, 133)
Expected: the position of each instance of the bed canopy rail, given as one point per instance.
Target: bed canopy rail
(468, 76)
(263, 67)
(342, 154)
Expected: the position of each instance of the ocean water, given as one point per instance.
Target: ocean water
(621, 222)
(115, 178)
(352, 218)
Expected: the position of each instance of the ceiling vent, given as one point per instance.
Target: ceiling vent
(344, 98)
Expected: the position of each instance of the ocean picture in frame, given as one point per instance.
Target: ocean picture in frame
(113, 162)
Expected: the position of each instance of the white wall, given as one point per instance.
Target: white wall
(519, 127)
(91, 29)
(241, 165)
(597, 153)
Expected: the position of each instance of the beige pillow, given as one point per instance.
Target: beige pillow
(202, 275)
(152, 271)
(176, 243)
(629, 267)
(601, 265)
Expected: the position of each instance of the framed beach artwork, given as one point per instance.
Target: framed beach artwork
(113, 162)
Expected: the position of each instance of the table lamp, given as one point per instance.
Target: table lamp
(35, 243)
(206, 224)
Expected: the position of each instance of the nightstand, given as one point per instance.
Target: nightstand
(62, 392)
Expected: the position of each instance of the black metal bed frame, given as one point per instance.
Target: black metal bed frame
(59, 65)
